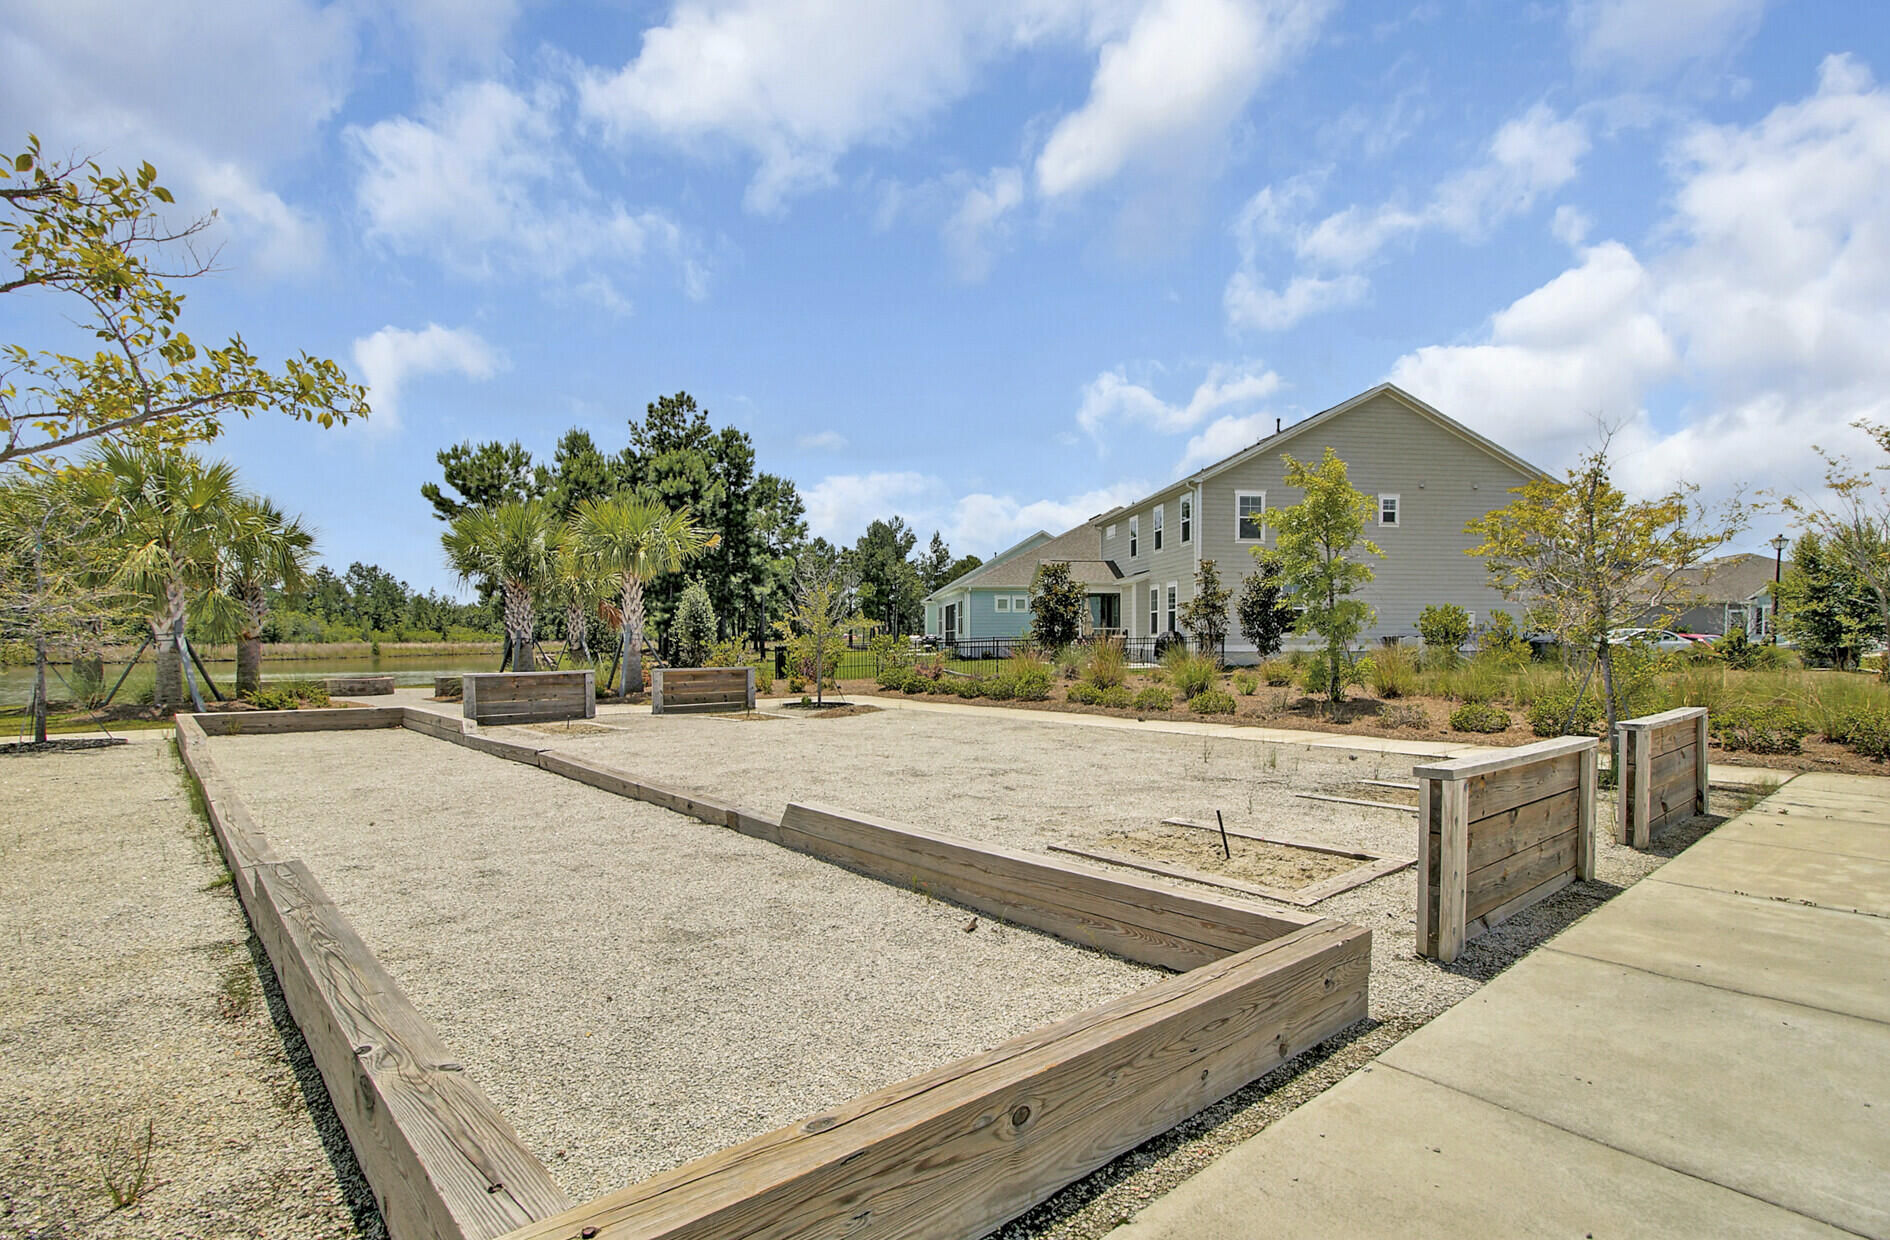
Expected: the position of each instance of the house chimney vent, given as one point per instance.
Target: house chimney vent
(1278, 423)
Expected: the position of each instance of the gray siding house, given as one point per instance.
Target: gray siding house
(1430, 477)
(992, 601)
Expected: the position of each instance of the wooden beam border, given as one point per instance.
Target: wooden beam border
(947, 1155)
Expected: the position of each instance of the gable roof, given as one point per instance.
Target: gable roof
(1732, 578)
(1282, 437)
(1015, 567)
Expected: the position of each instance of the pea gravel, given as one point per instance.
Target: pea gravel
(634, 988)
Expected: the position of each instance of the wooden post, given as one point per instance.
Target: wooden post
(1453, 868)
(1700, 771)
(656, 691)
(1426, 910)
(751, 700)
(1585, 817)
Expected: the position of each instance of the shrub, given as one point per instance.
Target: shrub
(1865, 730)
(1444, 627)
(1770, 728)
(1107, 664)
(1277, 673)
(1025, 677)
(1479, 717)
(288, 695)
(1479, 680)
(1084, 694)
(1247, 681)
(1393, 673)
(1503, 641)
(894, 677)
(1212, 702)
(1087, 694)
(1549, 713)
(890, 653)
(1153, 698)
(1117, 696)
(1402, 716)
(916, 684)
(1191, 673)
(693, 627)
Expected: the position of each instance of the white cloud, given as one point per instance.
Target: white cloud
(1762, 312)
(1174, 82)
(1111, 398)
(1222, 438)
(481, 183)
(385, 361)
(822, 441)
(215, 94)
(1528, 157)
(998, 521)
(979, 220)
(840, 506)
(1642, 41)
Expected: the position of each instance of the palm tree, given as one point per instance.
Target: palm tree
(263, 550)
(513, 548)
(169, 512)
(634, 540)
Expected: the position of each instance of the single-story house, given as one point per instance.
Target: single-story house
(992, 601)
(1428, 475)
(1733, 592)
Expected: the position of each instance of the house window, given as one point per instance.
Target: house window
(1171, 606)
(1135, 533)
(1387, 510)
(1187, 519)
(1154, 610)
(1250, 515)
(1020, 602)
(1158, 527)
(1110, 533)
(1003, 602)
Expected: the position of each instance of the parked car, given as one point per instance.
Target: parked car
(1664, 640)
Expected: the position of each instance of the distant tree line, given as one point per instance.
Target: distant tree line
(367, 603)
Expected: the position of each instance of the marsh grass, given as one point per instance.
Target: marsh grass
(124, 1162)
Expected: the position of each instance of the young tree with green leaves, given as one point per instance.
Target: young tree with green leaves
(693, 629)
(1264, 612)
(825, 605)
(482, 475)
(1825, 607)
(100, 242)
(1586, 560)
(264, 552)
(512, 549)
(1205, 615)
(1318, 548)
(1056, 606)
(633, 541)
(1854, 524)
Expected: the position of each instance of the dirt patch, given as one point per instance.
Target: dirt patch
(55, 744)
(571, 728)
(745, 716)
(842, 710)
(1253, 861)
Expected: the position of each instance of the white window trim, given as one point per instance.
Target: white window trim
(1262, 497)
(1154, 610)
(1397, 509)
(1002, 603)
(1020, 602)
(1173, 598)
(1187, 520)
(1135, 536)
(1110, 533)
(1159, 521)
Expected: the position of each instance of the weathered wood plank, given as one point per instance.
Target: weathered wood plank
(678, 689)
(276, 722)
(528, 697)
(1154, 923)
(443, 1162)
(1453, 864)
(1502, 881)
(358, 686)
(1430, 806)
(954, 1153)
(624, 784)
(1482, 764)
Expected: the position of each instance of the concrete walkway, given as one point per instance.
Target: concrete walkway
(1706, 1054)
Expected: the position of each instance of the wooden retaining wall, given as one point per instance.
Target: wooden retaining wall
(674, 690)
(443, 1162)
(358, 686)
(528, 697)
(948, 1155)
(1661, 760)
(1499, 833)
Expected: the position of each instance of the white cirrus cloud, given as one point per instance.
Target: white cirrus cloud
(1527, 158)
(821, 441)
(979, 222)
(1174, 80)
(841, 506)
(387, 359)
(1112, 398)
(1642, 41)
(481, 182)
(1749, 332)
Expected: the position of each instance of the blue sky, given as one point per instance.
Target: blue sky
(997, 266)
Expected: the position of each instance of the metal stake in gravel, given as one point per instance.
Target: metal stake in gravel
(1226, 852)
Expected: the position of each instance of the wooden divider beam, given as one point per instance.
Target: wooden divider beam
(273, 722)
(954, 1153)
(528, 697)
(674, 690)
(1661, 772)
(359, 686)
(1498, 833)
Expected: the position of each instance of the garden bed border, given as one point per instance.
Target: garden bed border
(1662, 760)
(948, 1154)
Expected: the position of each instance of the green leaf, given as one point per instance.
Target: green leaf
(161, 194)
(22, 163)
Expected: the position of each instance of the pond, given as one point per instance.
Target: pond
(16, 683)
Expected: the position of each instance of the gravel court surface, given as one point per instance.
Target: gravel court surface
(129, 995)
(631, 987)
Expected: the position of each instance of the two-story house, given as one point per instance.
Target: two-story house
(1428, 475)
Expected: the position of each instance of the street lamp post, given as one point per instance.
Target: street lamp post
(1778, 573)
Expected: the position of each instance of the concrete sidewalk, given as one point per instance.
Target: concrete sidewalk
(1706, 1054)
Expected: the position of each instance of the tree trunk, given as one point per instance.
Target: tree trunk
(519, 623)
(248, 665)
(632, 613)
(577, 636)
(168, 691)
(1606, 656)
(39, 689)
